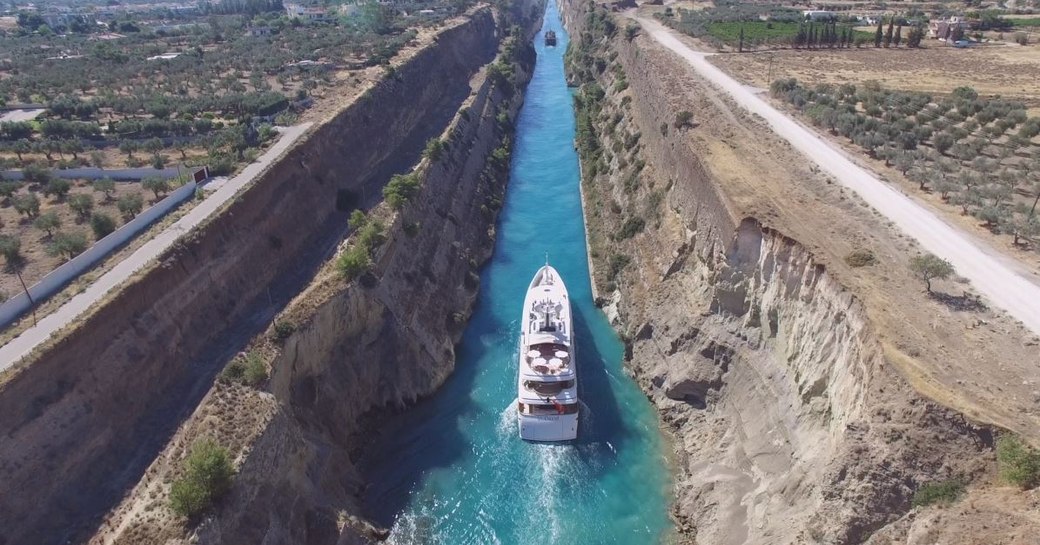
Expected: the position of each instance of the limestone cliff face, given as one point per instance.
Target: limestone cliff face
(83, 421)
(384, 341)
(788, 424)
(359, 348)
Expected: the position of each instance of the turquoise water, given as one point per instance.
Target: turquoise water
(453, 469)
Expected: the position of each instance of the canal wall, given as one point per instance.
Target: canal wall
(769, 371)
(358, 348)
(86, 417)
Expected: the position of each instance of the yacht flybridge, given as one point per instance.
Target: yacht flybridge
(547, 382)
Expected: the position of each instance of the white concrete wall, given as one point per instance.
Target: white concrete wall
(56, 279)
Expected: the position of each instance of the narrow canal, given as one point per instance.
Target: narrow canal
(453, 470)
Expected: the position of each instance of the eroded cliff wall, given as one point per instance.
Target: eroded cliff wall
(80, 424)
(789, 425)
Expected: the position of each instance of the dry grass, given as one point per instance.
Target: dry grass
(1006, 70)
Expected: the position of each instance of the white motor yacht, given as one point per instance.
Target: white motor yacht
(548, 381)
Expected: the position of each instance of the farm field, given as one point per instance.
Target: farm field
(1006, 70)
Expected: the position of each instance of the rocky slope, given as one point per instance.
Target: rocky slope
(791, 422)
(83, 422)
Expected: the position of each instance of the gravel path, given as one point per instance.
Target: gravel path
(999, 278)
(23, 344)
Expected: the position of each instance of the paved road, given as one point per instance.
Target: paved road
(999, 278)
(26, 114)
(21, 345)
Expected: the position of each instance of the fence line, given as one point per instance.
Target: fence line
(94, 173)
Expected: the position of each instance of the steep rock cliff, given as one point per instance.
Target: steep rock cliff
(789, 423)
(359, 348)
(81, 423)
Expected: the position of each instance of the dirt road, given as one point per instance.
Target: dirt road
(20, 346)
(1004, 282)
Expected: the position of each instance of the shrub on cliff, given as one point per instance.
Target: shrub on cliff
(941, 492)
(630, 228)
(434, 149)
(208, 475)
(248, 369)
(683, 119)
(354, 262)
(1019, 463)
(401, 189)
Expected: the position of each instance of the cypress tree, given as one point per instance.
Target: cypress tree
(888, 33)
(740, 47)
(877, 34)
(899, 36)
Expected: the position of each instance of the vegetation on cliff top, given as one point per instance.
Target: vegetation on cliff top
(207, 477)
(1019, 463)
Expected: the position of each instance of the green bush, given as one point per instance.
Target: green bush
(401, 189)
(861, 258)
(208, 476)
(683, 119)
(940, 492)
(249, 369)
(283, 329)
(357, 220)
(371, 235)
(1019, 463)
(354, 262)
(434, 149)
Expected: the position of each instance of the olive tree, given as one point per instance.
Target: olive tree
(930, 267)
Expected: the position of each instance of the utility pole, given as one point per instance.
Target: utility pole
(769, 72)
(32, 304)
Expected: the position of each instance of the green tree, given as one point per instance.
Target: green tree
(102, 224)
(59, 187)
(106, 186)
(878, 34)
(156, 185)
(47, 222)
(929, 267)
(82, 204)
(128, 147)
(11, 248)
(943, 142)
(67, 245)
(898, 37)
(208, 475)
(27, 205)
(888, 32)
(8, 189)
(130, 206)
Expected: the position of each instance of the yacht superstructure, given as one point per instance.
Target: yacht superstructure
(547, 379)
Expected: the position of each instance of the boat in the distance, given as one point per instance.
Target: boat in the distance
(547, 380)
(550, 38)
